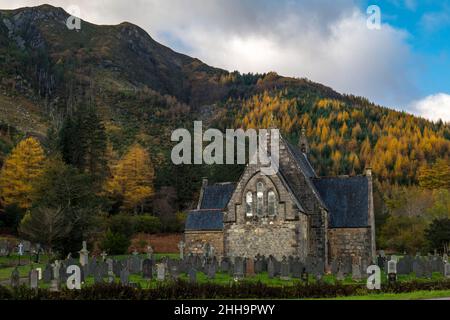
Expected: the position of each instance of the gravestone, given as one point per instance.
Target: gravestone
(181, 246)
(258, 264)
(418, 268)
(428, 269)
(174, 271)
(285, 275)
(98, 277)
(15, 278)
(84, 255)
(356, 272)
(160, 272)
(447, 270)
(445, 258)
(225, 265)
(117, 268)
(33, 278)
(47, 275)
(147, 269)
(124, 277)
(250, 267)
(392, 267)
(238, 268)
(271, 268)
(211, 271)
(149, 252)
(381, 262)
(135, 265)
(192, 275)
(297, 268)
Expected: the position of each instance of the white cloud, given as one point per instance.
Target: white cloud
(327, 42)
(434, 107)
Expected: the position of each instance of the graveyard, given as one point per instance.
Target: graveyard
(401, 277)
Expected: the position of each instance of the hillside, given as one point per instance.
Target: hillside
(142, 90)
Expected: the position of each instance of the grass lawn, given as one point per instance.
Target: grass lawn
(417, 295)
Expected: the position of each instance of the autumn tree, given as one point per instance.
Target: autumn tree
(436, 176)
(20, 171)
(132, 179)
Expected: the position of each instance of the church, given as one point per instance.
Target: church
(292, 213)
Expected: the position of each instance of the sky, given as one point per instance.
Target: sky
(403, 64)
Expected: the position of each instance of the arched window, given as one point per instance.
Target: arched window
(260, 199)
(272, 203)
(249, 204)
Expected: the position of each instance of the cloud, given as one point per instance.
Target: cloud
(434, 107)
(327, 42)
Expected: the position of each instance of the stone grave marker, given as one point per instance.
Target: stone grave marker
(181, 246)
(211, 271)
(447, 270)
(392, 267)
(418, 268)
(356, 272)
(33, 279)
(124, 277)
(147, 269)
(284, 272)
(271, 268)
(297, 268)
(47, 275)
(160, 271)
(98, 277)
(225, 265)
(84, 254)
(15, 278)
(192, 275)
(238, 268)
(250, 267)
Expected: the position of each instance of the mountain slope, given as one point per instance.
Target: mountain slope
(143, 90)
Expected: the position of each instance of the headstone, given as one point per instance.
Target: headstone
(149, 252)
(47, 275)
(250, 267)
(181, 246)
(392, 267)
(15, 278)
(225, 265)
(33, 278)
(98, 276)
(258, 264)
(238, 268)
(428, 269)
(211, 271)
(356, 272)
(135, 263)
(380, 262)
(447, 270)
(418, 268)
(445, 258)
(124, 277)
(192, 275)
(174, 271)
(297, 268)
(84, 255)
(160, 272)
(104, 255)
(285, 275)
(147, 269)
(271, 269)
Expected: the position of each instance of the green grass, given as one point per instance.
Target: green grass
(417, 295)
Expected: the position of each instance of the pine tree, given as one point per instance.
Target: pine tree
(20, 171)
(133, 178)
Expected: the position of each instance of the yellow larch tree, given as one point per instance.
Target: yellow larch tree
(21, 169)
(132, 178)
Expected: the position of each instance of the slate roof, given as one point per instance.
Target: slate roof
(204, 220)
(217, 196)
(302, 161)
(347, 199)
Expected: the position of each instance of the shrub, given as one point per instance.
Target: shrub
(148, 224)
(123, 224)
(115, 243)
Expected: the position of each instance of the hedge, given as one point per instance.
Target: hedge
(241, 290)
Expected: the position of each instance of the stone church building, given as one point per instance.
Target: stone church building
(293, 213)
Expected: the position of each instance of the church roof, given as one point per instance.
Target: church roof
(217, 196)
(204, 220)
(302, 161)
(347, 199)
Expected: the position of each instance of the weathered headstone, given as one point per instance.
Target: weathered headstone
(33, 279)
(392, 267)
(124, 277)
(225, 265)
(258, 264)
(192, 275)
(238, 268)
(160, 272)
(211, 271)
(418, 268)
(84, 254)
(149, 252)
(284, 271)
(147, 269)
(15, 278)
(181, 246)
(271, 268)
(356, 272)
(47, 275)
(447, 270)
(250, 267)
(135, 263)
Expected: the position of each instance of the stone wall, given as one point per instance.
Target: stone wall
(355, 242)
(195, 240)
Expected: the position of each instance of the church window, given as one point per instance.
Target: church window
(249, 204)
(260, 199)
(272, 203)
